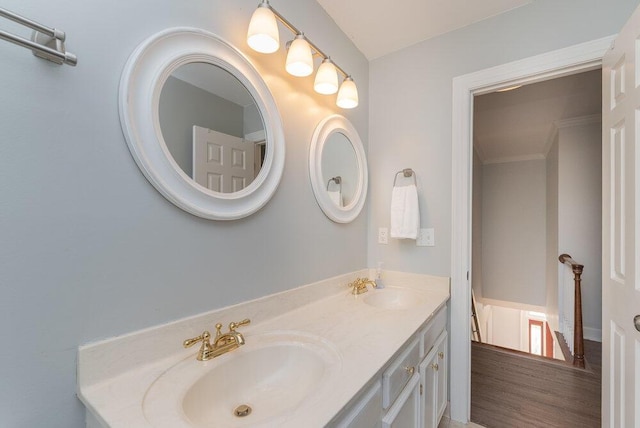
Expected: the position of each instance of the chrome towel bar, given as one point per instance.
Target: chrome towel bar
(407, 172)
(46, 43)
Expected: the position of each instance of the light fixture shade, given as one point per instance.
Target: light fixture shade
(299, 58)
(326, 78)
(348, 94)
(263, 35)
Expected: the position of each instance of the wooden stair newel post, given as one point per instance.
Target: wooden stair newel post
(578, 335)
(578, 338)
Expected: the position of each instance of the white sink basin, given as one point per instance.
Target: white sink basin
(272, 374)
(394, 298)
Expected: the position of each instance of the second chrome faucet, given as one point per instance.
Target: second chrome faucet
(222, 343)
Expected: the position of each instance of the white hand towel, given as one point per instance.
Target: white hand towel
(405, 212)
(336, 197)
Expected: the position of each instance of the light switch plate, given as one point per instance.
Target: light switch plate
(426, 238)
(383, 235)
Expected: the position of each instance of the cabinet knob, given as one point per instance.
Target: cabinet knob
(434, 366)
(441, 355)
(410, 370)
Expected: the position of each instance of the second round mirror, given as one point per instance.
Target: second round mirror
(338, 169)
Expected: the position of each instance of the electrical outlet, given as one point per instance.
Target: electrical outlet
(426, 238)
(383, 235)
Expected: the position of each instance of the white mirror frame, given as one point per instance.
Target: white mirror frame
(323, 131)
(143, 77)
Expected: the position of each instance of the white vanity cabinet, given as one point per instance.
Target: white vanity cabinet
(411, 391)
(366, 411)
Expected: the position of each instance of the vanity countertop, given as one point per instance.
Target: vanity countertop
(114, 375)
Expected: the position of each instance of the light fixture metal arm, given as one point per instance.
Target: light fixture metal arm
(295, 31)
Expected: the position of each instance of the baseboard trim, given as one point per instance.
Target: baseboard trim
(594, 334)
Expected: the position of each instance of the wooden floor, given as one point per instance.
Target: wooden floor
(511, 389)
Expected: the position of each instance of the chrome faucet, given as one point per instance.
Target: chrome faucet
(222, 343)
(359, 286)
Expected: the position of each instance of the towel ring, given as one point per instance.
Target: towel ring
(407, 172)
(338, 180)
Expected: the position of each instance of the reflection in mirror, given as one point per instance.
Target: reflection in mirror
(212, 127)
(340, 169)
(154, 71)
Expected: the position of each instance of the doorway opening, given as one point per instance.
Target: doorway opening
(583, 57)
(537, 156)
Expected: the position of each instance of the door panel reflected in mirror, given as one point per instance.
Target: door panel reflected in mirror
(212, 127)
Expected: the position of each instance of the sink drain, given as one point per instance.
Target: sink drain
(242, 410)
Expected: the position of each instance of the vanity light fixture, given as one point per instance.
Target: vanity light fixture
(263, 37)
(326, 78)
(348, 94)
(299, 59)
(263, 34)
(510, 88)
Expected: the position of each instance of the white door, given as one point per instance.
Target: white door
(221, 162)
(620, 226)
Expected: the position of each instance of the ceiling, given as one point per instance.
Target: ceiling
(508, 126)
(378, 28)
(517, 124)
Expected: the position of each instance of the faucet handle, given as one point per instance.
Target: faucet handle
(204, 353)
(190, 342)
(234, 325)
(355, 282)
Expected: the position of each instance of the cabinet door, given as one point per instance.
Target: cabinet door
(366, 412)
(442, 358)
(428, 390)
(433, 384)
(405, 411)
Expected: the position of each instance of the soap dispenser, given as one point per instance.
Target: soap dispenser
(378, 280)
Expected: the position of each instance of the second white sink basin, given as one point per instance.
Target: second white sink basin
(394, 298)
(257, 384)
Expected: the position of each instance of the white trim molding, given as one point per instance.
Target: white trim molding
(567, 123)
(562, 62)
(594, 334)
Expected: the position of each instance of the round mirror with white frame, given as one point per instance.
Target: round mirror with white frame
(338, 169)
(201, 124)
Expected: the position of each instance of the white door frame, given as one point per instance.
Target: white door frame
(578, 58)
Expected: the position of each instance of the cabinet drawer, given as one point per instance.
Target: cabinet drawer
(399, 373)
(431, 332)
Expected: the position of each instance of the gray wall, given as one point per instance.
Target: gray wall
(552, 253)
(183, 105)
(89, 248)
(252, 121)
(410, 110)
(513, 232)
(476, 227)
(580, 213)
